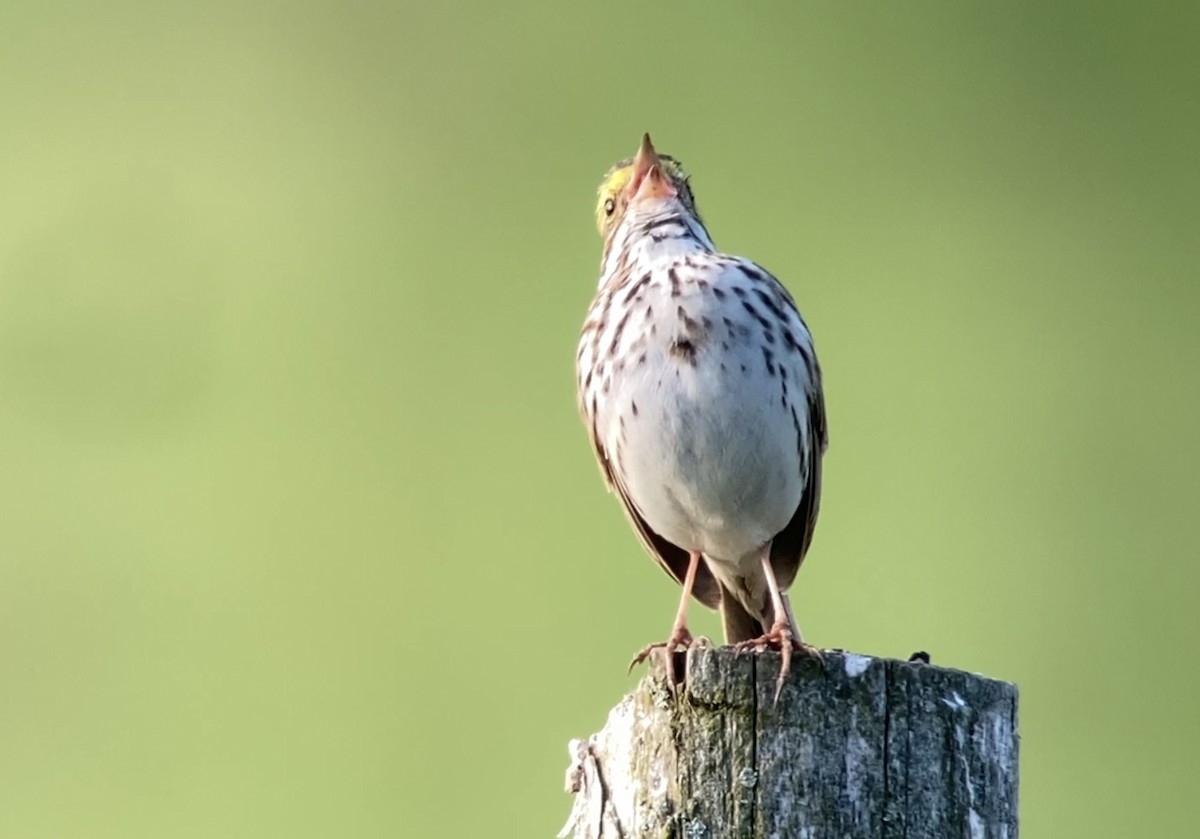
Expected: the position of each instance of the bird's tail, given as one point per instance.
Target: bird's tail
(740, 625)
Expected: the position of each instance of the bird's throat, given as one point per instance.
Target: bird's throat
(653, 240)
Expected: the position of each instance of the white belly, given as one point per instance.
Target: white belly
(710, 458)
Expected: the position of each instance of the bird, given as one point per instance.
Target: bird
(699, 385)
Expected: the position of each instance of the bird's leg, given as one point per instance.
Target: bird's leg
(680, 638)
(783, 633)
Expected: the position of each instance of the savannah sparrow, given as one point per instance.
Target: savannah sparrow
(700, 388)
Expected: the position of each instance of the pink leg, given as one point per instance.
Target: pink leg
(783, 633)
(680, 638)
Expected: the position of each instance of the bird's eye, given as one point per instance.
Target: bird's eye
(610, 207)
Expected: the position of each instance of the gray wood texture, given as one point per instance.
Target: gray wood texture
(856, 747)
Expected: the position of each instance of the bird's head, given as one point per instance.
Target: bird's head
(649, 182)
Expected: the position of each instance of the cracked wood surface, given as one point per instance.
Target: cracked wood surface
(856, 747)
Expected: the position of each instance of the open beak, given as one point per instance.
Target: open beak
(648, 180)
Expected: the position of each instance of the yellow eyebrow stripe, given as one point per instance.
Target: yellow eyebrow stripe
(611, 188)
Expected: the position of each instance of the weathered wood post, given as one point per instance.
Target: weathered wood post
(856, 747)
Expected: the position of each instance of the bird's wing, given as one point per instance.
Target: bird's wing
(672, 558)
(790, 545)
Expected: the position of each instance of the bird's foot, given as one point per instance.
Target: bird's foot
(780, 637)
(680, 639)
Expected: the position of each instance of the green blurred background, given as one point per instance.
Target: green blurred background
(300, 534)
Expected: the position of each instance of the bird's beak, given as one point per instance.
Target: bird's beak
(648, 180)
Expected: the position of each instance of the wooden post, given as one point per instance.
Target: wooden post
(856, 747)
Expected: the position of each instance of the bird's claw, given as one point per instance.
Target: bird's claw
(780, 637)
(680, 639)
